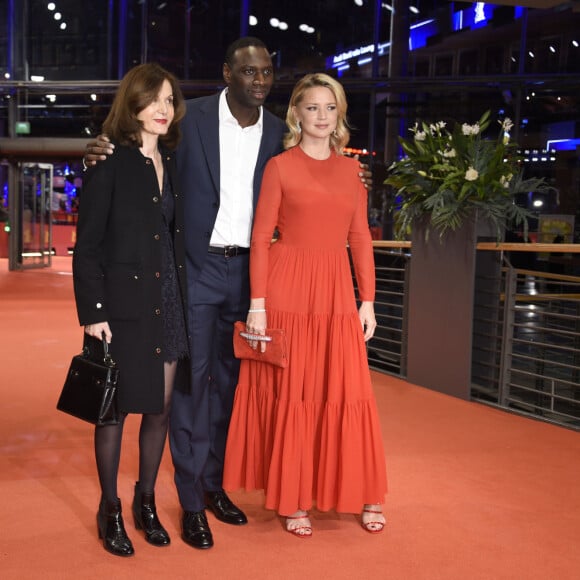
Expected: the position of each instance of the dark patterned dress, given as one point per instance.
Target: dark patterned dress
(174, 333)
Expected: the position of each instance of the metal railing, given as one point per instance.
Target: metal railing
(526, 331)
(533, 349)
(386, 351)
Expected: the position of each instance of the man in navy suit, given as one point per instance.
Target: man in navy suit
(227, 140)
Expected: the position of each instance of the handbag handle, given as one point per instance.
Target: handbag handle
(89, 348)
(107, 357)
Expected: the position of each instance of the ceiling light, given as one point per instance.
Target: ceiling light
(51, 6)
(36, 78)
(358, 2)
(51, 98)
(274, 22)
(283, 26)
(6, 75)
(253, 20)
(552, 49)
(57, 15)
(575, 43)
(414, 9)
(532, 55)
(63, 25)
(93, 97)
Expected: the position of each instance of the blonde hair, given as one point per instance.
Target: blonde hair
(341, 135)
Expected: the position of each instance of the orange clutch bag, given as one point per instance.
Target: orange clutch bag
(275, 338)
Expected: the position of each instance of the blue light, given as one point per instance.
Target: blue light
(421, 32)
(477, 16)
(473, 17)
(563, 144)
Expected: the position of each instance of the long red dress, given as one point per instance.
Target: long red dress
(310, 432)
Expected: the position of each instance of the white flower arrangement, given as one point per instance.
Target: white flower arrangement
(449, 176)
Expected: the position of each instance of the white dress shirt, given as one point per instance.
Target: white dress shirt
(239, 148)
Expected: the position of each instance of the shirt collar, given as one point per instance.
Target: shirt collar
(225, 115)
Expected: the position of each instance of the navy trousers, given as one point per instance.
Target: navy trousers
(200, 420)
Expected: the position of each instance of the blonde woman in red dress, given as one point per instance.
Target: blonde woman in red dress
(309, 434)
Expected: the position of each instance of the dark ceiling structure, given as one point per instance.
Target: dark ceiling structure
(82, 49)
(91, 40)
(198, 31)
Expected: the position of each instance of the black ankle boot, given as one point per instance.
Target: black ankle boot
(146, 519)
(112, 530)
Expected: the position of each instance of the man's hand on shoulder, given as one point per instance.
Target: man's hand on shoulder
(97, 150)
(365, 174)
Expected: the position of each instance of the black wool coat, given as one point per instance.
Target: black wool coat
(117, 265)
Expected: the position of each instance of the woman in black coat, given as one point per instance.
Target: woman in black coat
(129, 281)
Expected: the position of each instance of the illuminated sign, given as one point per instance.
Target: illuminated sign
(363, 54)
(355, 52)
(22, 128)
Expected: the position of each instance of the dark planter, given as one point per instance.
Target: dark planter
(442, 284)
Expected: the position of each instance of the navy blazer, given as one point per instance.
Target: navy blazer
(198, 165)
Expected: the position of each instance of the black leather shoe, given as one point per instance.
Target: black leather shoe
(145, 516)
(224, 509)
(195, 530)
(112, 530)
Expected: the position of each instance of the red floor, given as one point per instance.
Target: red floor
(475, 493)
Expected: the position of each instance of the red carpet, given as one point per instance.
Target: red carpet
(475, 493)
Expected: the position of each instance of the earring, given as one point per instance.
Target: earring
(299, 127)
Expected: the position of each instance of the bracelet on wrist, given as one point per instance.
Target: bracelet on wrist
(257, 310)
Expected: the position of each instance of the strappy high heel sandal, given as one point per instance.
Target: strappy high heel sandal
(375, 525)
(299, 531)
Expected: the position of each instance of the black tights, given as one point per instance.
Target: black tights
(152, 435)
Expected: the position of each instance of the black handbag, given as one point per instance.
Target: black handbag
(90, 388)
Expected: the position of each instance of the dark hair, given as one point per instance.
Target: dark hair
(137, 90)
(243, 42)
